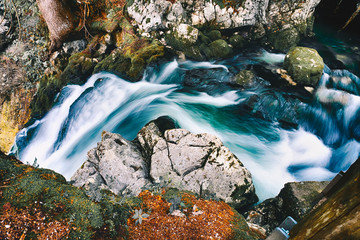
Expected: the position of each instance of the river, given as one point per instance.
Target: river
(320, 140)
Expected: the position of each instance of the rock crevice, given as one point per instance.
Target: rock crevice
(195, 162)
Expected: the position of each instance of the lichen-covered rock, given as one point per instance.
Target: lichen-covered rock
(295, 200)
(198, 163)
(245, 78)
(115, 164)
(304, 65)
(283, 21)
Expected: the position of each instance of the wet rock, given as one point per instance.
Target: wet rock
(220, 49)
(304, 65)
(246, 78)
(295, 200)
(284, 39)
(214, 35)
(237, 41)
(195, 162)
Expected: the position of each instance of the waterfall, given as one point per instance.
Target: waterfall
(323, 144)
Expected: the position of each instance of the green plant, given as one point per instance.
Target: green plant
(139, 216)
(176, 204)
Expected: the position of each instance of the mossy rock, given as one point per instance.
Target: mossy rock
(283, 40)
(29, 187)
(78, 70)
(220, 49)
(214, 35)
(304, 65)
(237, 41)
(245, 78)
(132, 59)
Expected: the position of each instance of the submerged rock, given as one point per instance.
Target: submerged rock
(304, 65)
(295, 200)
(195, 162)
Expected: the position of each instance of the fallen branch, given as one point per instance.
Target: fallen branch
(352, 17)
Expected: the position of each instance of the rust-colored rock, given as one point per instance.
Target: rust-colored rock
(198, 219)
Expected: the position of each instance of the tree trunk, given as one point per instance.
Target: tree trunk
(60, 18)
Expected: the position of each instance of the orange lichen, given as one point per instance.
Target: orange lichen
(18, 223)
(203, 219)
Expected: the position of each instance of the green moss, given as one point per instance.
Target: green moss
(220, 49)
(132, 60)
(304, 65)
(214, 35)
(29, 187)
(284, 39)
(237, 41)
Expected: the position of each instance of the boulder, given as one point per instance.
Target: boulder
(295, 200)
(200, 163)
(246, 78)
(115, 164)
(195, 162)
(304, 65)
(220, 49)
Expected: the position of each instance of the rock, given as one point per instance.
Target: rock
(336, 216)
(284, 39)
(246, 78)
(214, 35)
(15, 100)
(115, 164)
(187, 34)
(194, 162)
(304, 65)
(285, 22)
(74, 46)
(236, 41)
(202, 165)
(150, 15)
(295, 200)
(220, 49)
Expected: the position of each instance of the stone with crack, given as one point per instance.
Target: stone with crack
(195, 162)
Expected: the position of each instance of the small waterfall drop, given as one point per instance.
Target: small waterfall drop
(325, 142)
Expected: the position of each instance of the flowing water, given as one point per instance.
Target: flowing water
(323, 143)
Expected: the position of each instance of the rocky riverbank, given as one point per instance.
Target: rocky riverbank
(167, 182)
(117, 36)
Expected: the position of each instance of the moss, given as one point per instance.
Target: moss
(283, 40)
(132, 59)
(214, 35)
(304, 65)
(237, 41)
(220, 49)
(28, 187)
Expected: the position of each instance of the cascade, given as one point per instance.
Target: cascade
(325, 141)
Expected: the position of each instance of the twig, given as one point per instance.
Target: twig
(17, 16)
(352, 17)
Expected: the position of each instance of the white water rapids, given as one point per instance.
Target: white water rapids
(274, 156)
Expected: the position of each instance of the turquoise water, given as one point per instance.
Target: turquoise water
(319, 145)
